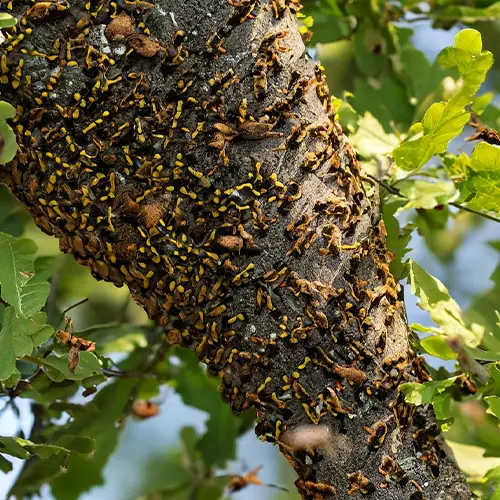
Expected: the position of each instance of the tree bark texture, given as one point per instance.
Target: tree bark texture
(189, 151)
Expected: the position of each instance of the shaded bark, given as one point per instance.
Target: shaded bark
(189, 151)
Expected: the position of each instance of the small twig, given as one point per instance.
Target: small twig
(475, 212)
(4, 408)
(396, 192)
(71, 307)
(118, 373)
(417, 19)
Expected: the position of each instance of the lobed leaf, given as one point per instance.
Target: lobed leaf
(18, 337)
(481, 190)
(21, 287)
(444, 311)
(444, 121)
(426, 194)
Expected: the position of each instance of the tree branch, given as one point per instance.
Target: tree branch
(194, 158)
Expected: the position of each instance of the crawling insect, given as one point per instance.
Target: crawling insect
(247, 131)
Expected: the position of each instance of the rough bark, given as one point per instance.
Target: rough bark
(189, 151)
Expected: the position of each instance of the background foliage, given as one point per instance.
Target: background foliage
(76, 374)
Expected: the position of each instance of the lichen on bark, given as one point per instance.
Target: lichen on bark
(189, 151)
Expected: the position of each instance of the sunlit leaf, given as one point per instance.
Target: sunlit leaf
(6, 20)
(482, 189)
(425, 194)
(422, 394)
(436, 346)
(371, 140)
(444, 121)
(445, 312)
(493, 405)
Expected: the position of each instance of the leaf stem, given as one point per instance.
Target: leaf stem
(72, 307)
(396, 192)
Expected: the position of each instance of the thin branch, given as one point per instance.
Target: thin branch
(72, 307)
(118, 373)
(396, 192)
(417, 19)
(475, 212)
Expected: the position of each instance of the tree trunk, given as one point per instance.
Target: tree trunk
(188, 149)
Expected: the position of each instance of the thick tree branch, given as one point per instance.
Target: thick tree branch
(188, 150)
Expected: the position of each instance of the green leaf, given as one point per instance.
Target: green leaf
(12, 213)
(369, 46)
(215, 446)
(346, 114)
(167, 473)
(493, 476)
(388, 103)
(493, 405)
(422, 394)
(18, 337)
(398, 239)
(7, 21)
(423, 79)
(44, 391)
(5, 465)
(200, 390)
(190, 439)
(443, 232)
(23, 448)
(482, 310)
(212, 489)
(8, 144)
(481, 102)
(482, 189)
(330, 23)
(370, 140)
(491, 117)
(58, 370)
(436, 345)
(425, 194)
(84, 472)
(443, 405)
(444, 121)
(444, 311)
(471, 459)
(21, 288)
(467, 14)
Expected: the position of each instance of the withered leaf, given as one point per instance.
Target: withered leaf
(145, 46)
(145, 409)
